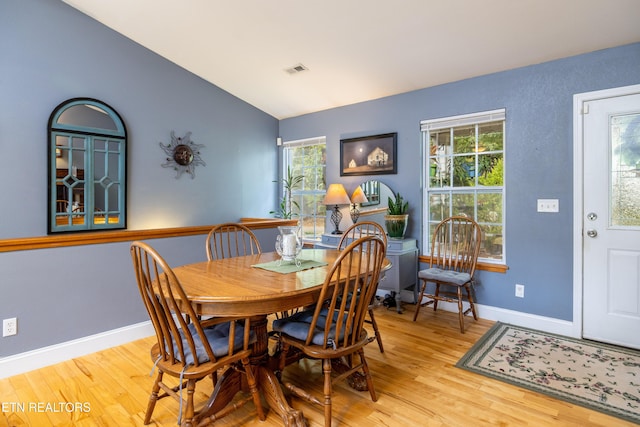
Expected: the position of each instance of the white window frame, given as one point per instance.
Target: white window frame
(319, 214)
(428, 126)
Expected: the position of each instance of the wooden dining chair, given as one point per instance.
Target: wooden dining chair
(334, 328)
(454, 253)
(230, 240)
(187, 349)
(353, 233)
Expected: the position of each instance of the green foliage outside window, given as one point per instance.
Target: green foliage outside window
(306, 197)
(466, 177)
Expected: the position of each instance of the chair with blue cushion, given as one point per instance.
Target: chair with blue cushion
(356, 231)
(188, 349)
(454, 253)
(334, 328)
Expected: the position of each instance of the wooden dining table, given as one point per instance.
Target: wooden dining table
(236, 287)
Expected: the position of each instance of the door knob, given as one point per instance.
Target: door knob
(592, 233)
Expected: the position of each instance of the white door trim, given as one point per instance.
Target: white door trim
(578, 184)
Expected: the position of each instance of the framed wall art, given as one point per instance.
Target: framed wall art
(369, 155)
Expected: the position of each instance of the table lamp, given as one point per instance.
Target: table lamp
(358, 196)
(336, 195)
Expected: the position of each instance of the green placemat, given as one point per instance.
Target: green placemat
(285, 267)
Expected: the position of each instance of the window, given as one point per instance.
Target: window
(464, 175)
(307, 157)
(87, 167)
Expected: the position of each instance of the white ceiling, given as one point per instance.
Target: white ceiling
(358, 50)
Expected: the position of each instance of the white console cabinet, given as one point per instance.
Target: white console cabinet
(403, 255)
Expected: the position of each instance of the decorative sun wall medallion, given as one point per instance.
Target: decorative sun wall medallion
(184, 155)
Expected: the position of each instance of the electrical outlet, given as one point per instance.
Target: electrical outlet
(9, 327)
(519, 290)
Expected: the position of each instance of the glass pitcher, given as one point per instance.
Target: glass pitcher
(288, 243)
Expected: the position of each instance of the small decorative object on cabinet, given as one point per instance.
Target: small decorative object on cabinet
(397, 218)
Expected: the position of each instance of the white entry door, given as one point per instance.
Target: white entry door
(611, 219)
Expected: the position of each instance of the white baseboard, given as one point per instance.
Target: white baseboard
(45, 356)
(518, 318)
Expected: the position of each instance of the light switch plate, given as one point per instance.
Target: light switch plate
(548, 205)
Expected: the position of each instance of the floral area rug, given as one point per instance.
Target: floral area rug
(598, 376)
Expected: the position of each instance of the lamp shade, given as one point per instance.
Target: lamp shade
(336, 195)
(358, 196)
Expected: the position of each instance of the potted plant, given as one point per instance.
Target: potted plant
(397, 217)
(286, 204)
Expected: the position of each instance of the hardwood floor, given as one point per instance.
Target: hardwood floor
(415, 379)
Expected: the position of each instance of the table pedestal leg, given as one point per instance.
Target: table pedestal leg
(228, 385)
(272, 392)
(232, 381)
(267, 381)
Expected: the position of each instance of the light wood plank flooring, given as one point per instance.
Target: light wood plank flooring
(416, 382)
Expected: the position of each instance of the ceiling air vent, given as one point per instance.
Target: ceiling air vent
(296, 69)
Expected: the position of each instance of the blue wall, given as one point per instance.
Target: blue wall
(539, 155)
(50, 52)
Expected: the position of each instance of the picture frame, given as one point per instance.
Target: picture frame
(369, 155)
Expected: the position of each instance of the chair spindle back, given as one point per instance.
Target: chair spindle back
(229, 240)
(362, 229)
(174, 320)
(455, 244)
(355, 272)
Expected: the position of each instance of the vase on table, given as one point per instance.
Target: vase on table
(288, 243)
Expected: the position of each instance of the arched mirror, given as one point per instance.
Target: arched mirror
(375, 208)
(87, 167)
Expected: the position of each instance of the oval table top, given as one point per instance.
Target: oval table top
(233, 287)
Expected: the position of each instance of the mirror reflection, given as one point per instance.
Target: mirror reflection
(375, 208)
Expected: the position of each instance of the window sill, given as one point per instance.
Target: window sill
(484, 266)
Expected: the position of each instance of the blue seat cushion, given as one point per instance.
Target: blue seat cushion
(297, 326)
(218, 337)
(450, 276)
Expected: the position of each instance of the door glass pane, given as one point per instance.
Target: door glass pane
(625, 170)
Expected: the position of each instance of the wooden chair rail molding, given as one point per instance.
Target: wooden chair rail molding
(495, 268)
(96, 238)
